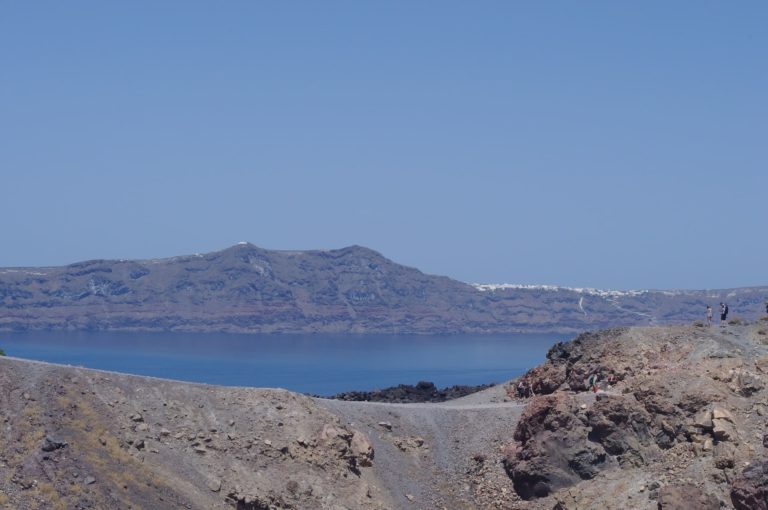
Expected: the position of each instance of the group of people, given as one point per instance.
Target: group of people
(593, 384)
(594, 381)
(723, 314)
(525, 390)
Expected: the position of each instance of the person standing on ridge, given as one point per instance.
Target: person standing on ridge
(592, 383)
(709, 315)
(723, 313)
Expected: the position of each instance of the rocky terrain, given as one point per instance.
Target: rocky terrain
(248, 289)
(683, 425)
(79, 439)
(679, 422)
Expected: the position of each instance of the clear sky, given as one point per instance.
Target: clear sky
(606, 144)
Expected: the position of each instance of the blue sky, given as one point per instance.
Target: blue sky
(603, 144)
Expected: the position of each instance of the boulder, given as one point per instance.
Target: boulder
(686, 497)
(723, 430)
(214, 484)
(718, 413)
(724, 454)
(545, 379)
(703, 420)
(722, 425)
(331, 432)
(362, 449)
(553, 451)
(620, 425)
(50, 444)
(748, 383)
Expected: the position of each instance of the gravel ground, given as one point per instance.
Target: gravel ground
(458, 466)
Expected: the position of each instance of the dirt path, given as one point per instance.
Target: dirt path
(458, 465)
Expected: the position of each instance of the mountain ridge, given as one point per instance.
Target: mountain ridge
(245, 288)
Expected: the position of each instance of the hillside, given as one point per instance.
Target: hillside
(76, 439)
(681, 427)
(248, 289)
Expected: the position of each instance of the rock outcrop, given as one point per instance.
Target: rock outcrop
(685, 406)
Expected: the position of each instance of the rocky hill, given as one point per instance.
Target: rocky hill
(248, 289)
(76, 439)
(682, 425)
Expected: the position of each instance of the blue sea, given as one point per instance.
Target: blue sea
(322, 364)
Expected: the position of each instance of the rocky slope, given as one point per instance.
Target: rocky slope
(248, 289)
(76, 439)
(682, 425)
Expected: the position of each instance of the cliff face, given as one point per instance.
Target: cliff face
(681, 424)
(248, 289)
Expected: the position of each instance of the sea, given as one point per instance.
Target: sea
(317, 364)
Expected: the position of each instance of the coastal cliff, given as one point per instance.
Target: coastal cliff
(351, 290)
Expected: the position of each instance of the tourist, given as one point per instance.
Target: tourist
(521, 389)
(592, 383)
(709, 315)
(722, 314)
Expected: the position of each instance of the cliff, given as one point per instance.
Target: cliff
(248, 289)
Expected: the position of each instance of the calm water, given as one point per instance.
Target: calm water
(321, 364)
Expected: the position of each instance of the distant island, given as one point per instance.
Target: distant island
(245, 288)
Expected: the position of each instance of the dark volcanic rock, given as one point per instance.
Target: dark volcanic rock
(559, 443)
(750, 489)
(248, 289)
(552, 453)
(621, 426)
(50, 445)
(423, 391)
